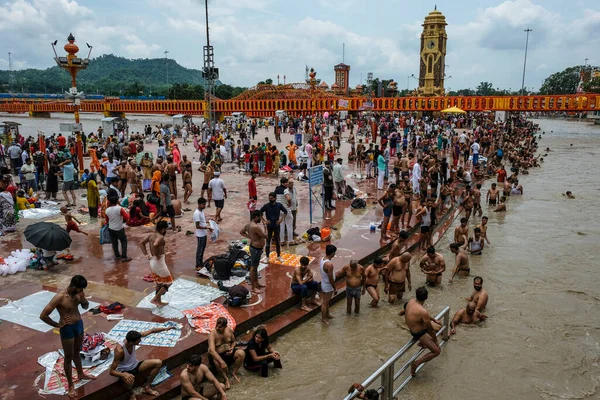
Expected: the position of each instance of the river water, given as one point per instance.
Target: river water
(541, 341)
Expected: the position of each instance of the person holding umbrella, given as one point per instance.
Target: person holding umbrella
(70, 324)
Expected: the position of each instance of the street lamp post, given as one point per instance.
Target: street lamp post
(525, 61)
(73, 64)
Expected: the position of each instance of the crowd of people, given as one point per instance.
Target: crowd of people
(423, 166)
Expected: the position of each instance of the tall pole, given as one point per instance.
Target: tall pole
(166, 53)
(525, 61)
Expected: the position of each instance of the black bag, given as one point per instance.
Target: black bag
(314, 231)
(358, 203)
(222, 267)
(349, 192)
(237, 296)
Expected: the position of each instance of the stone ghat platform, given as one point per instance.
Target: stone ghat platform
(114, 281)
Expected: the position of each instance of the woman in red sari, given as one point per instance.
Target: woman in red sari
(269, 161)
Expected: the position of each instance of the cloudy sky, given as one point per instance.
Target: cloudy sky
(259, 39)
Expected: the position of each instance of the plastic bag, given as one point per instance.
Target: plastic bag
(214, 235)
(104, 235)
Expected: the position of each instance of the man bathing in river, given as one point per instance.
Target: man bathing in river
(468, 315)
(70, 326)
(196, 374)
(399, 245)
(398, 274)
(479, 295)
(160, 273)
(433, 265)
(372, 279)
(476, 243)
(420, 325)
(461, 266)
(355, 283)
(461, 232)
(303, 283)
(327, 282)
(222, 352)
(483, 227)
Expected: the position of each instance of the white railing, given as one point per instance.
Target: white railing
(387, 373)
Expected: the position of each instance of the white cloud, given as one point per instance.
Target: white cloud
(257, 39)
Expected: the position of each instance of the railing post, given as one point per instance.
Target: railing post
(446, 333)
(387, 382)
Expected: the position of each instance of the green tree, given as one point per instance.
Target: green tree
(593, 86)
(134, 90)
(566, 81)
(484, 89)
(269, 81)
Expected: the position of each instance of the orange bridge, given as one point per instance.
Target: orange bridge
(301, 105)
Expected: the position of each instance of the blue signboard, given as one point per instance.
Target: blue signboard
(316, 175)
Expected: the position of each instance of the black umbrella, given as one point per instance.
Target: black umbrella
(48, 236)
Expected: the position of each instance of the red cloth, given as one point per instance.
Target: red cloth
(62, 141)
(204, 318)
(252, 189)
(72, 226)
(132, 148)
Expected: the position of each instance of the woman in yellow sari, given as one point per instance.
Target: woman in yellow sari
(93, 195)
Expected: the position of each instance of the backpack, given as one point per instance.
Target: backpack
(222, 267)
(314, 231)
(358, 203)
(237, 296)
(349, 192)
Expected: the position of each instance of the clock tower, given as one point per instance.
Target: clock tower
(433, 55)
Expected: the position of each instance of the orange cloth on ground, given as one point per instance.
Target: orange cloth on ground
(204, 318)
(289, 259)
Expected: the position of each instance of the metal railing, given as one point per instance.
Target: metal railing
(387, 372)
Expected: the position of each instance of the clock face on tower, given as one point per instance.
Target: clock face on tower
(431, 44)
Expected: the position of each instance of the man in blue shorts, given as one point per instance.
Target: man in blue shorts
(67, 304)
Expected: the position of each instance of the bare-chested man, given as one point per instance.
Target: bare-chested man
(477, 199)
(171, 171)
(257, 233)
(420, 325)
(372, 279)
(398, 275)
(121, 170)
(433, 265)
(70, 324)
(195, 375)
(303, 283)
(502, 205)
(160, 273)
(461, 232)
(398, 208)
(355, 281)
(408, 194)
(479, 295)
(468, 315)
(493, 195)
(187, 183)
(483, 228)
(328, 288)
(461, 264)
(208, 171)
(467, 202)
(399, 245)
(133, 179)
(222, 352)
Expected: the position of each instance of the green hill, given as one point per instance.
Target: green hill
(112, 75)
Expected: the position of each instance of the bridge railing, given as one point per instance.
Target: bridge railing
(385, 377)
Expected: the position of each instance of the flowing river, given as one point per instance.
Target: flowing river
(541, 340)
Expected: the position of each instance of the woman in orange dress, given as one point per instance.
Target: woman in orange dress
(269, 161)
